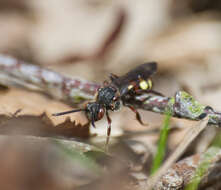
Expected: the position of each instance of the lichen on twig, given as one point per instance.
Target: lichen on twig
(182, 105)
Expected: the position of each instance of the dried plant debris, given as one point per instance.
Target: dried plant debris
(120, 180)
(183, 172)
(188, 138)
(13, 5)
(29, 162)
(107, 44)
(3, 88)
(41, 126)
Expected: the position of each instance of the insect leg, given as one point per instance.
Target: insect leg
(92, 121)
(138, 117)
(108, 131)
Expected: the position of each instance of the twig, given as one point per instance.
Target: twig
(182, 105)
(183, 172)
(14, 72)
(18, 73)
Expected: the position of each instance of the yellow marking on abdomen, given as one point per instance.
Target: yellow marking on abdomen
(143, 85)
(150, 84)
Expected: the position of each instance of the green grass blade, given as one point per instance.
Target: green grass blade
(161, 144)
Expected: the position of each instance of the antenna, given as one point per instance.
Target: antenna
(67, 112)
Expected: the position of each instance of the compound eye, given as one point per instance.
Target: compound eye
(100, 113)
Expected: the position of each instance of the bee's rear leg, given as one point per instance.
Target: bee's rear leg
(138, 117)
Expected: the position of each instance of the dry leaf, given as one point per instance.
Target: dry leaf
(32, 103)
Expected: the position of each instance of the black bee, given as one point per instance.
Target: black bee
(118, 91)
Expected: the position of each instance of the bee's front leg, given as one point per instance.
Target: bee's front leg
(108, 131)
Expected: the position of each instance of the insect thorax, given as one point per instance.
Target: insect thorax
(108, 96)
